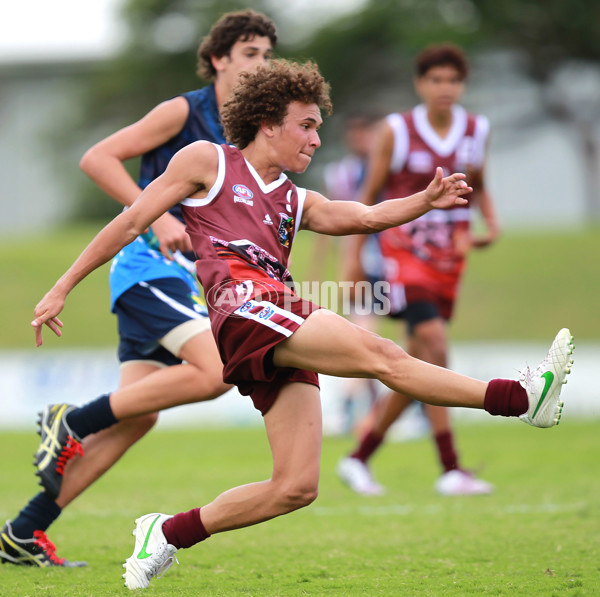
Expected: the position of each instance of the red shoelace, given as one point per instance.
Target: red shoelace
(72, 448)
(42, 541)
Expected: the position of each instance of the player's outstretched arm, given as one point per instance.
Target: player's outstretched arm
(350, 217)
(180, 180)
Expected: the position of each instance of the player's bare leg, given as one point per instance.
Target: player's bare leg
(199, 380)
(144, 390)
(103, 449)
(328, 343)
(428, 343)
(331, 345)
(294, 430)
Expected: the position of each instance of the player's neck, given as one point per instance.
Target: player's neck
(222, 91)
(440, 121)
(267, 169)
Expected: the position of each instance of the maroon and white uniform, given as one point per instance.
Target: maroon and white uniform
(424, 258)
(242, 234)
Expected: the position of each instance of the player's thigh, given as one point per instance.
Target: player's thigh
(157, 313)
(132, 371)
(201, 351)
(331, 345)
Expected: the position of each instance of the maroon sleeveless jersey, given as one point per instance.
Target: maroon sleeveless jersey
(418, 150)
(242, 234)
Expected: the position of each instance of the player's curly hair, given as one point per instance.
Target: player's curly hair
(263, 96)
(442, 55)
(230, 28)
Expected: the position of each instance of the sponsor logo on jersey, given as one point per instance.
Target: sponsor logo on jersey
(286, 225)
(420, 162)
(266, 313)
(268, 220)
(246, 307)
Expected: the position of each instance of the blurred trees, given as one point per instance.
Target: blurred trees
(366, 56)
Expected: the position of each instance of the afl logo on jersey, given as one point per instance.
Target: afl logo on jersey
(242, 194)
(242, 191)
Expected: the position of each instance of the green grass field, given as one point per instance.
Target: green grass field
(539, 534)
(525, 287)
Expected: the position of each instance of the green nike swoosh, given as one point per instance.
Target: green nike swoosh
(549, 378)
(143, 553)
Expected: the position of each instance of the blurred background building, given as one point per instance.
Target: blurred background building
(72, 72)
(540, 89)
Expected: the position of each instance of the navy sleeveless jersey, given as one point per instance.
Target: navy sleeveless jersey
(137, 262)
(203, 122)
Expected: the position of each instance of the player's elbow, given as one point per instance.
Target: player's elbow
(131, 227)
(370, 223)
(94, 160)
(86, 163)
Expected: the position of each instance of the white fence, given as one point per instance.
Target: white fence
(33, 378)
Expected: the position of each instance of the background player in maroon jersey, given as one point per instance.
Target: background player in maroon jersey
(273, 342)
(424, 259)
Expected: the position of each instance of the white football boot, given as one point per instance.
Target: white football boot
(457, 482)
(544, 383)
(152, 556)
(356, 474)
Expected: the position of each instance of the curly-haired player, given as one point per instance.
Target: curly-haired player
(272, 342)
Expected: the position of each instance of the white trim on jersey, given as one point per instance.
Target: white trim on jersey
(301, 199)
(265, 188)
(480, 137)
(443, 147)
(247, 313)
(401, 142)
(215, 188)
(169, 301)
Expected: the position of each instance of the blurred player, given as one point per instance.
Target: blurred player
(424, 259)
(242, 214)
(155, 299)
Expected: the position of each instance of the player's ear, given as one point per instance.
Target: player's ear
(219, 62)
(268, 129)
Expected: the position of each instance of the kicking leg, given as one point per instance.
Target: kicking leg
(329, 344)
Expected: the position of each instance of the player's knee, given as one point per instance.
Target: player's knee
(387, 356)
(299, 495)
